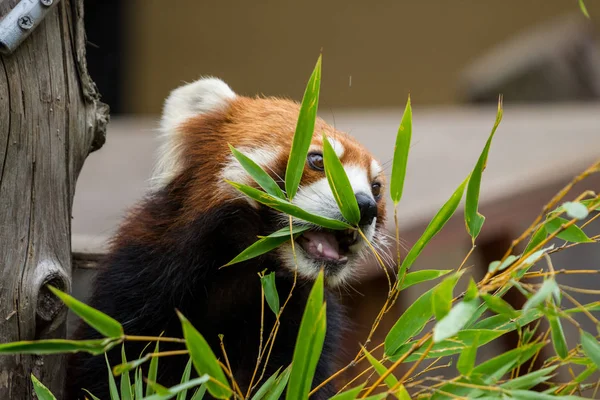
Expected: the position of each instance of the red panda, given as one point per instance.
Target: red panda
(168, 252)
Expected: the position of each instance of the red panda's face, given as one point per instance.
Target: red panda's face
(202, 118)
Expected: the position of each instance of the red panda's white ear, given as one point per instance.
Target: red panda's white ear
(199, 97)
(196, 98)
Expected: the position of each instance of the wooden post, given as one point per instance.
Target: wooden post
(50, 120)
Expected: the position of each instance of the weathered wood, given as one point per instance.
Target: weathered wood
(50, 119)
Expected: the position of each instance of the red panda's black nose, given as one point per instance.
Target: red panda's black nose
(367, 207)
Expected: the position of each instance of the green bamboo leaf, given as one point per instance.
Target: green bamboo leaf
(126, 393)
(593, 203)
(534, 257)
(572, 234)
(401, 154)
(502, 265)
(455, 320)
(58, 346)
(259, 175)
(499, 305)
(139, 384)
(101, 322)
(267, 243)
(153, 371)
(466, 360)
(91, 395)
(529, 380)
(472, 291)
(538, 237)
(533, 395)
(412, 278)
(178, 389)
(309, 344)
(42, 392)
(436, 224)
(547, 288)
(187, 372)
(381, 369)
(351, 394)
(112, 385)
(591, 347)
(583, 9)
(575, 209)
(288, 208)
(441, 301)
(304, 132)
(121, 368)
(199, 394)
(473, 218)
(340, 184)
(558, 337)
(279, 386)
(265, 387)
(411, 322)
(204, 360)
(464, 339)
(268, 284)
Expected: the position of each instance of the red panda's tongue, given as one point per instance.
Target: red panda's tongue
(321, 244)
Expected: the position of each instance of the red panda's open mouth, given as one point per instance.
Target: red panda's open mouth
(328, 245)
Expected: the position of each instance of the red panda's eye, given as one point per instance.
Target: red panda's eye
(376, 189)
(315, 161)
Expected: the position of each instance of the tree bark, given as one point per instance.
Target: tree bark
(50, 120)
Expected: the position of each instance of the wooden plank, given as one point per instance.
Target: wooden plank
(49, 120)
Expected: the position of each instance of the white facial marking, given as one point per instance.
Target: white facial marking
(337, 147)
(196, 98)
(375, 168)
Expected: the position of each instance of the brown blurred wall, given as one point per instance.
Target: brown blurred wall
(388, 48)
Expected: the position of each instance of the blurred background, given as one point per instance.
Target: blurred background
(454, 58)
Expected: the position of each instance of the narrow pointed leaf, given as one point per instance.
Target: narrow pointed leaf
(538, 237)
(91, 394)
(153, 371)
(558, 337)
(304, 132)
(121, 368)
(499, 305)
(473, 218)
(309, 343)
(436, 224)
(266, 244)
(547, 288)
(126, 393)
(351, 394)
(112, 385)
(268, 284)
(204, 360)
(381, 369)
(139, 384)
(529, 380)
(572, 234)
(57, 346)
(455, 320)
(259, 175)
(590, 347)
(279, 386)
(502, 265)
(411, 322)
(288, 208)
(178, 389)
(340, 184)
(101, 322)
(583, 9)
(42, 392)
(441, 300)
(187, 372)
(199, 394)
(413, 278)
(466, 360)
(472, 291)
(401, 154)
(265, 387)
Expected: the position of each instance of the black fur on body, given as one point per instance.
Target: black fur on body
(144, 280)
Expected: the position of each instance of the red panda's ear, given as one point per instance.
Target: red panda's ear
(200, 97)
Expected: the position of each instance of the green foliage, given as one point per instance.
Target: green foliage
(41, 391)
(263, 179)
(401, 154)
(268, 284)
